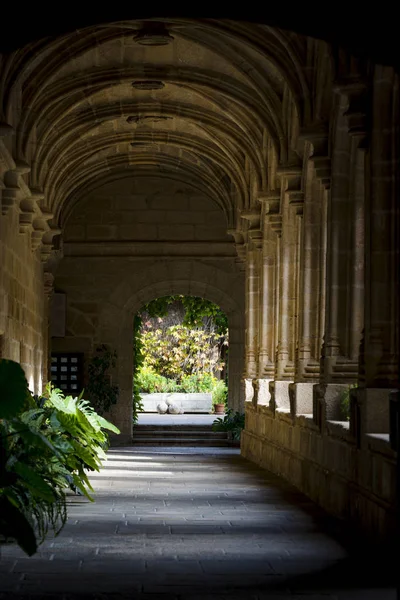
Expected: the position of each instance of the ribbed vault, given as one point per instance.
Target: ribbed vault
(210, 107)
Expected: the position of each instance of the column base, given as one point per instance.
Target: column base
(301, 398)
(279, 391)
(248, 390)
(264, 394)
(327, 399)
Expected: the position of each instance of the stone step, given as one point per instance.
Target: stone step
(183, 427)
(178, 434)
(184, 441)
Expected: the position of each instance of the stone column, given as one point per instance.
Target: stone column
(252, 291)
(266, 367)
(291, 205)
(48, 281)
(356, 322)
(312, 278)
(380, 371)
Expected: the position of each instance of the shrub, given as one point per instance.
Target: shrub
(201, 382)
(232, 421)
(46, 445)
(150, 382)
(219, 392)
(345, 402)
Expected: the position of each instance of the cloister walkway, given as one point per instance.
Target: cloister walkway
(191, 524)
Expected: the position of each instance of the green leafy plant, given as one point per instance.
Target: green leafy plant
(232, 421)
(178, 355)
(198, 382)
(47, 444)
(32, 476)
(219, 392)
(79, 434)
(100, 390)
(345, 401)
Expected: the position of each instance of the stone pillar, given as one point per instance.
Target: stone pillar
(252, 291)
(356, 321)
(379, 351)
(382, 242)
(266, 367)
(291, 205)
(48, 280)
(311, 307)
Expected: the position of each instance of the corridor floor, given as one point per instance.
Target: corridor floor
(190, 524)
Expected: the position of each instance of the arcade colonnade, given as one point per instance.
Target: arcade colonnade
(250, 165)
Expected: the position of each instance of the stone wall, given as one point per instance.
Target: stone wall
(146, 209)
(353, 483)
(23, 317)
(110, 270)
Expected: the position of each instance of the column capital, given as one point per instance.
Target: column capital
(357, 93)
(270, 201)
(253, 215)
(317, 135)
(291, 176)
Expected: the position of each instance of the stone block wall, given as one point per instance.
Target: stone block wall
(135, 210)
(353, 483)
(130, 242)
(23, 317)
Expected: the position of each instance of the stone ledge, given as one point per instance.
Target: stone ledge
(341, 430)
(279, 467)
(306, 421)
(284, 414)
(380, 444)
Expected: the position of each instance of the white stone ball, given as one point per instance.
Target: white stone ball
(162, 408)
(174, 409)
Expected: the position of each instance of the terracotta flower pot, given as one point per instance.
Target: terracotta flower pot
(219, 409)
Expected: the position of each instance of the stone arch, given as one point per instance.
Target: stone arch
(188, 277)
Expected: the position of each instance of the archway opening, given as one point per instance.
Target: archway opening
(181, 349)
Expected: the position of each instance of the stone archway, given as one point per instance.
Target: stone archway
(164, 278)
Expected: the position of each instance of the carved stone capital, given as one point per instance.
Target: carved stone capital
(275, 223)
(291, 176)
(253, 215)
(356, 92)
(318, 137)
(271, 202)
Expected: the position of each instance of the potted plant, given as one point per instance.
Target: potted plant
(233, 423)
(218, 396)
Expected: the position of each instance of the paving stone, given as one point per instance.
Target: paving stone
(220, 529)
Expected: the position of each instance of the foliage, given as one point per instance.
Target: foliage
(180, 351)
(101, 392)
(345, 402)
(46, 444)
(198, 382)
(77, 432)
(178, 343)
(232, 421)
(150, 382)
(219, 392)
(137, 348)
(198, 309)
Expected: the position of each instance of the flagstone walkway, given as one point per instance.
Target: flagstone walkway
(195, 524)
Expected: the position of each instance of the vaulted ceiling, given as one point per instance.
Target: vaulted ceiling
(201, 101)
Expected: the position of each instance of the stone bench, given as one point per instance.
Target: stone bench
(190, 403)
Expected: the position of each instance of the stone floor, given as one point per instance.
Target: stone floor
(185, 419)
(175, 524)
